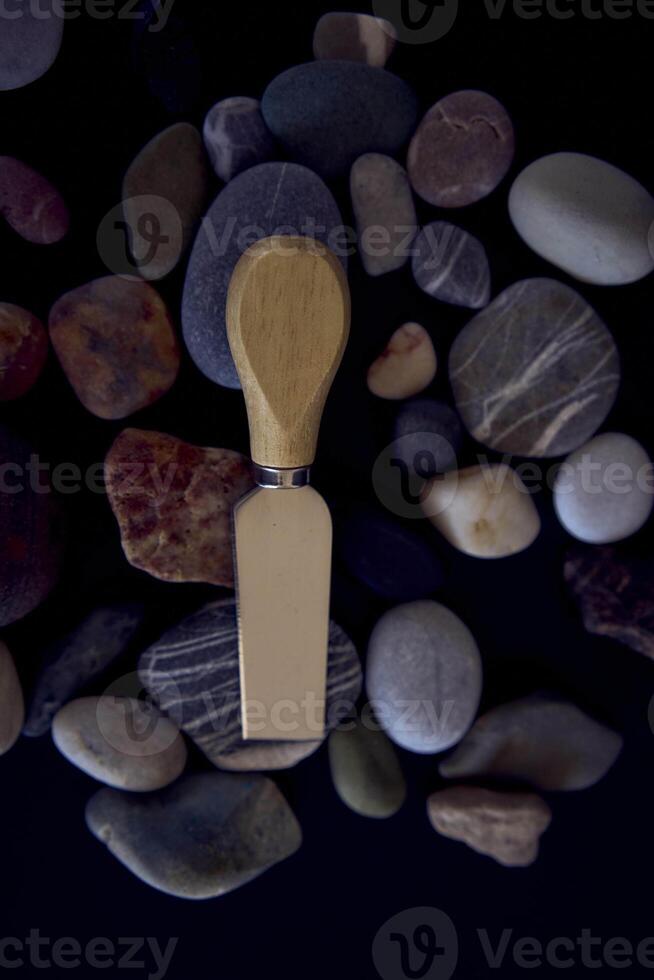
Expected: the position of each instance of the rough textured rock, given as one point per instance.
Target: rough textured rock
(365, 770)
(31, 530)
(536, 372)
(173, 503)
(23, 351)
(122, 742)
(604, 492)
(12, 707)
(273, 198)
(385, 213)
(452, 266)
(192, 673)
(29, 43)
(423, 676)
(166, 54)
(388, 556)
(505, 826)
(615, 593)
(200, 838)
(164, 196)
(428, 436)
(78, 658)
(236, 136)
(354, 37)
(484, 511)
(115, 341)
(462, 149)
(585, 216)
(311, 112)
(546, 742)
(30, 204)
(406, 367)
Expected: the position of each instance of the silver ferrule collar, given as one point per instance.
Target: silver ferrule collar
(275, 479)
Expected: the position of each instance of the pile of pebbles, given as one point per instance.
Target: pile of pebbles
(533, 374)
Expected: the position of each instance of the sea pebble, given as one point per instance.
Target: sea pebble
(385, 213)
(12, 708)
(78, 658)
(115, 341)
(615, 593)
(30, 40)
(311, 111)
(406, 367)
(273, 198)
(164, 196)
(536, 372)
(202, 837)
(30, 204)
(483, 511)
(173, 503)
(505, 826)
(122, 742)
(452, 266)
(424, 676)
(650, 240)
(365, 770)
(462, 149)
(428, 437)
(584, 216)
(23, 351)
(192, 672)
(388, 557)
(604, 491)
(31, 530)
(354, 37)
(166, 54)
(540, 740)
(236, 136)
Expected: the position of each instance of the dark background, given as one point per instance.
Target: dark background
(569, 85)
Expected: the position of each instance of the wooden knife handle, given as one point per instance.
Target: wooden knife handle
(288, 321)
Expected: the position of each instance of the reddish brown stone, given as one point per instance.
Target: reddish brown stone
(23, 350)
(173, 502)
(462, 149)
(30, 204)
(116, 343)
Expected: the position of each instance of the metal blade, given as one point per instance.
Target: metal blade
(283, 545)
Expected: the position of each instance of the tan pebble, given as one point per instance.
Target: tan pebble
(484, 511)
(406, 367)
(12, 709)
(354, 37)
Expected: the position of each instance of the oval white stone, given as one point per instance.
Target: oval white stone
(605, 490)
(585, 216)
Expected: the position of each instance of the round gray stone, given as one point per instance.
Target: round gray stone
(544, 741)
(123, 742)
(202, 837)
(29, 42)
(428, 437)
(536, 372)
(365, 770)
(327, 113)
(273, 198)
(236, 136)
(424, 676)
(585, 216)
(452, 266)
(604, 491)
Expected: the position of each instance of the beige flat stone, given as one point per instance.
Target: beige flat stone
(483, 511)
(407, 366)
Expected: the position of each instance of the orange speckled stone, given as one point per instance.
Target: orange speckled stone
(173, 503)
(23, 351)
(115, 341)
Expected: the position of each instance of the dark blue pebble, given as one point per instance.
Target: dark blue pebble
(429, 436)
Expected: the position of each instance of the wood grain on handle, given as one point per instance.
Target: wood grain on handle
(288, 321)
